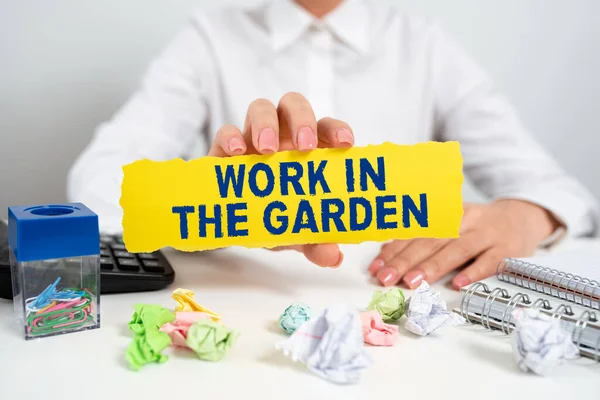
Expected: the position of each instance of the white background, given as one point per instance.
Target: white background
(65, 66)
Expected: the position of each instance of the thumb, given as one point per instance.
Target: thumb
(323, 255)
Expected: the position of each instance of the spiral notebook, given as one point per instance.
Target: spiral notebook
(563, 285)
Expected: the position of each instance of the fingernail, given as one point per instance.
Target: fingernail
(306, 139)
(460, 281)
(375, 266)
(413, 278)
(340, 261)
(388, 276)
(267, 140)
(236, 144)
(344, 136)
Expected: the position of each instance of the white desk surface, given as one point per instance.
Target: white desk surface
(251, 288)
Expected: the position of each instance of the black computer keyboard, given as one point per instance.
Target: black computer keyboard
(120, 271)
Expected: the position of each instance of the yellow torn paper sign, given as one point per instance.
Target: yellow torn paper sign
(185, 302)
(372, 193)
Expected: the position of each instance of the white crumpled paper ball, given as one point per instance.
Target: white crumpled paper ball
(331, 345)
(539, 342)
(426, 312)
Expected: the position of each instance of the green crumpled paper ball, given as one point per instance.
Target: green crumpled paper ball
(294, 316)
(149, 317)
(147, 348)
(210, 340)
(390, 304)
(148, 342)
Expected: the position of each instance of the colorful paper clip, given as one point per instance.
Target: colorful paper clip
(53, 310)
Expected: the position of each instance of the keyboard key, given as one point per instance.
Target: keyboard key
(119, 240)
(124, 254)
(127, 264)
(153, 266)
(106, 263)
(147, 256)
(118, 247)
(103, 246)
(105, 252)
(105, 239)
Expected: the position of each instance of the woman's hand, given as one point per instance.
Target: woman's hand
(489, 233)
(289, 126)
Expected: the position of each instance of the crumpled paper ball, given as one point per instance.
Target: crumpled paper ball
(376, 332)
(149, 317)
(294, 316)
(210, 340)
(539, 342)
(390, 304)
(147, 348)
(186, 302)
(427, 312)
(148, 342)
(330, 345)
(177, 330)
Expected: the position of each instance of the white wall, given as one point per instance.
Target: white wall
(65, 66)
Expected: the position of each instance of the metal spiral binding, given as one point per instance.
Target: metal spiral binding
(537, 275)
(576, 279)
(559, 275)
(587, 320)
(567, 311)
(512, 303)
(545, 304)
(466, 299)
(588, 284)
(485, 317)
(593, 285)
(542, 280)
(550, 282)
(569, 278)
(580, 326)
(520, 268)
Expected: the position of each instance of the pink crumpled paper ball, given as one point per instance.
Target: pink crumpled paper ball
(177, 330)
(375, 331)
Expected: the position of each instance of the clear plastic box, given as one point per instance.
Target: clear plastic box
(55, 268)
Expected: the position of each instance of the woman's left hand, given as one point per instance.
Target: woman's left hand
(489, 233)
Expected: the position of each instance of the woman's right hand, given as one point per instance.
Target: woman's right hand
(289, 126)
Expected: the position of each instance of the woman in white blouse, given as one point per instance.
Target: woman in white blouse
(330, 73)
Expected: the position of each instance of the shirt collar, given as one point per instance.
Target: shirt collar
(350, 22)
(287, 21)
